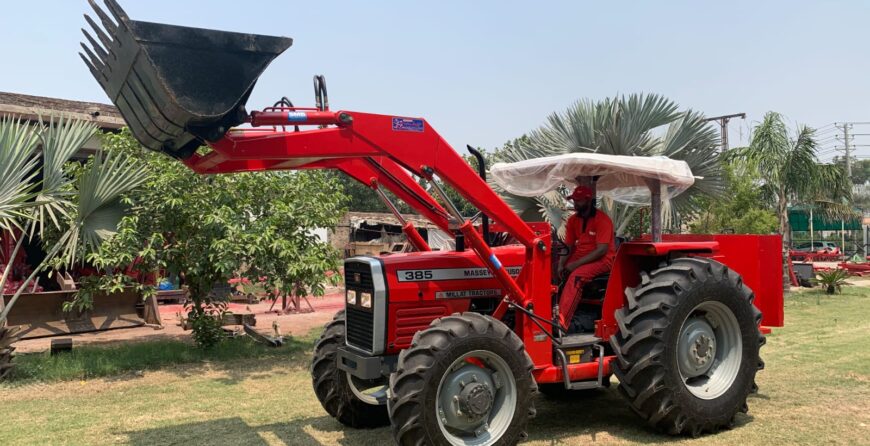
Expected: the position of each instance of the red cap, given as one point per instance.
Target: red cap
(582, 193)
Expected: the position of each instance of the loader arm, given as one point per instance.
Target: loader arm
(237, 153)
(377, 147)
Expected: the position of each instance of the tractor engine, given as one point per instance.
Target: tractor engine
(390, 298)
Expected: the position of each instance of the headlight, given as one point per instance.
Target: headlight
(351, 297)
(365, 299)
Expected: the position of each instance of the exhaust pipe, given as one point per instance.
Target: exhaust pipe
(175, 86)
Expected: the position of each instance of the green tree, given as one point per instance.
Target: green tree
(742, 209)
(465, 207)
(636, 125)
(861, 197)
(791, 171)
(81, 212)
(860, 168)
(362, 198)
(210, 227)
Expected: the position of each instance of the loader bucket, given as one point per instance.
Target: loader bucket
(176, 86)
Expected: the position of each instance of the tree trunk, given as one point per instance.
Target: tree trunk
(8, 337)
(784, 229)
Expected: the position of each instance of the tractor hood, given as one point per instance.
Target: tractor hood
(621, 178)
(176, 86)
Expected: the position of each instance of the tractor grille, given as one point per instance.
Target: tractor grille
(360, 328)
(366, 327)
(358, 275)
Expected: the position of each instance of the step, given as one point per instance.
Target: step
(578, 340)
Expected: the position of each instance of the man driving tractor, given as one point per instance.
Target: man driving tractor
(590, 240)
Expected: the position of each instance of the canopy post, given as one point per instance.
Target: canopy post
(655, 195)
(864, 239)
(812, 237)
(843, 236)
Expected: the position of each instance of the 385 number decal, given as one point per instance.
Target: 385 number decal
(424, 275)
(419, 274)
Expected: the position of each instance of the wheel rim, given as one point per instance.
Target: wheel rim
(372, 391)
(709, 350)
(476, 399)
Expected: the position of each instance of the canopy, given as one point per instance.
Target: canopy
(622, 178)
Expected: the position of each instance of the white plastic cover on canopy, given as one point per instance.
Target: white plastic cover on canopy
(622, 178)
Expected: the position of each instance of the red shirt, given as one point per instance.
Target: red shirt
(599, 229)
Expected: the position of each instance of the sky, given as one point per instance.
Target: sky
(485, 72)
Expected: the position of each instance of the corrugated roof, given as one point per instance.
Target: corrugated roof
(378, 218)
(30, 108)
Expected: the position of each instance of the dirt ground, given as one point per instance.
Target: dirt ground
(294, 324)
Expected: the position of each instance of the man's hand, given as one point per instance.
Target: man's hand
(598, 253)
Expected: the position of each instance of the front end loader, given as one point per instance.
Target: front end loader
(451, 347)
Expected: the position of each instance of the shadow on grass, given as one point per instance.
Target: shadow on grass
(240, 359)
(595, 416)
(235, 431)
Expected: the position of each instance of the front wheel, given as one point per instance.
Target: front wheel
(466, 380)
(688, 346)
(353, 402)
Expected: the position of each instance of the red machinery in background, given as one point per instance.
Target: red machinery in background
(450, 347)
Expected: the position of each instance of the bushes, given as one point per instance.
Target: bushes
(206, 321)
(832, 281)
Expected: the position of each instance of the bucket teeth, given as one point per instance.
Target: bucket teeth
(105, 39)
(104, 18)
(175, 86)
(97, 47)
(93, 61)
(96, 73)
(115, 9)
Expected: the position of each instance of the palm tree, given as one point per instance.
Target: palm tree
(84, 210)
(792, 173)
(636, 125)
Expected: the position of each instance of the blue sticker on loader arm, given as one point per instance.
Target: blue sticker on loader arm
(297, 116)
(407, 125)
(495, 261)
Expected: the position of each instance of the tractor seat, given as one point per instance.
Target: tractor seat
(593, 292)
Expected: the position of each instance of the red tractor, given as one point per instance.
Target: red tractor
(450, 347)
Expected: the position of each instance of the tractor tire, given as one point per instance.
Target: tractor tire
(335, 387)
(8, 337)
(687, 349)
(466, 379)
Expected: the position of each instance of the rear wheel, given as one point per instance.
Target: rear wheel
(466, 380)
(688, 346)
(352, 401)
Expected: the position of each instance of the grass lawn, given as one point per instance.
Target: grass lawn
(815, 390)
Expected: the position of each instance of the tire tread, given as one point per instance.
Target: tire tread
(638, 345)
